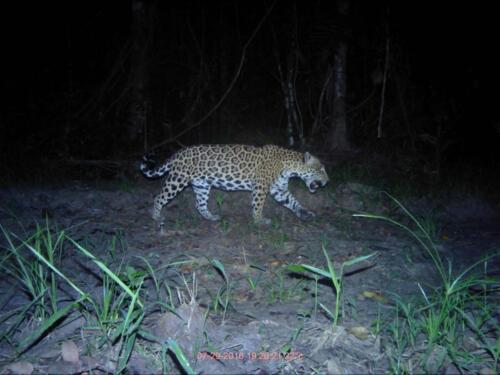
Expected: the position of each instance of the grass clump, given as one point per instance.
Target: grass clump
(439, 328)
(114, 318)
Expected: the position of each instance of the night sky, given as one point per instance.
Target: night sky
(65, 75)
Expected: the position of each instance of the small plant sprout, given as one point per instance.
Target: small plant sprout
(223, 290)
(219, 199)
(224, 225)
(335, 276)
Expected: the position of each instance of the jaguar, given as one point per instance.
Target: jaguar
(261, 170)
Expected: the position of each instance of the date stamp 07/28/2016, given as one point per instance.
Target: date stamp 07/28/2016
(250, 356)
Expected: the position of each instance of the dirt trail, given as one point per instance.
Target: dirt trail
(270, 308)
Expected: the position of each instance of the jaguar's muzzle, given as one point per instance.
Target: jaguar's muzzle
(314, 185)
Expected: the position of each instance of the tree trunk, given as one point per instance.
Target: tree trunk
(287, 81)
(223, 74)
(338, 137)
(139, 98)
(289, 96)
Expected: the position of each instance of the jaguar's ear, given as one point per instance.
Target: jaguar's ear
(307, 157)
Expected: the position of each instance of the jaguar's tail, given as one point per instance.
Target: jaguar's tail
(149, 169)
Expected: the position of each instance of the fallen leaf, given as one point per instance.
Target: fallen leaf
(276, 263)
(241, 297)
(373, 295)
(69, 352)
(360, 332)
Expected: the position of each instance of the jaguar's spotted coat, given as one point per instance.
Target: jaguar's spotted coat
(237, 167)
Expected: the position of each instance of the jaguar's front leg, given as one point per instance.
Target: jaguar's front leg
(258, 200)
(283, 196)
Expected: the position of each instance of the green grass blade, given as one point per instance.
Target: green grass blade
(104, 268)
(22, 311)
(127, 352)
(151, 272)
(172, 345)
(219, 266)
(429, 248)
(25, 274)
(328, 311)
(47, 324)
(359, 259)
(131, 309)
(299, 268)
(53, 268)
(331, 269)
(463, 285)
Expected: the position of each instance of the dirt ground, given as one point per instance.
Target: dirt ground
(273, 322)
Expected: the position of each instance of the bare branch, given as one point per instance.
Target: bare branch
(109, 83)
(384, 84)
(319, 120)
(228, 90)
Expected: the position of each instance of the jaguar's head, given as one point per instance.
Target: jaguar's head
(315, 174)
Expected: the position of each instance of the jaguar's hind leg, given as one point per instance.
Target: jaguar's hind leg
(258, 200)
(202, 191)
(170, 189)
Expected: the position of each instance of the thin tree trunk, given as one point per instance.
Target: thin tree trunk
(139, 99)
(287, 80)
(384, 85)
(338, 137)
(289, 93)
(288, 76)
(223, 73)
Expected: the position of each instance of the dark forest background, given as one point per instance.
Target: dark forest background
(93, 85)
